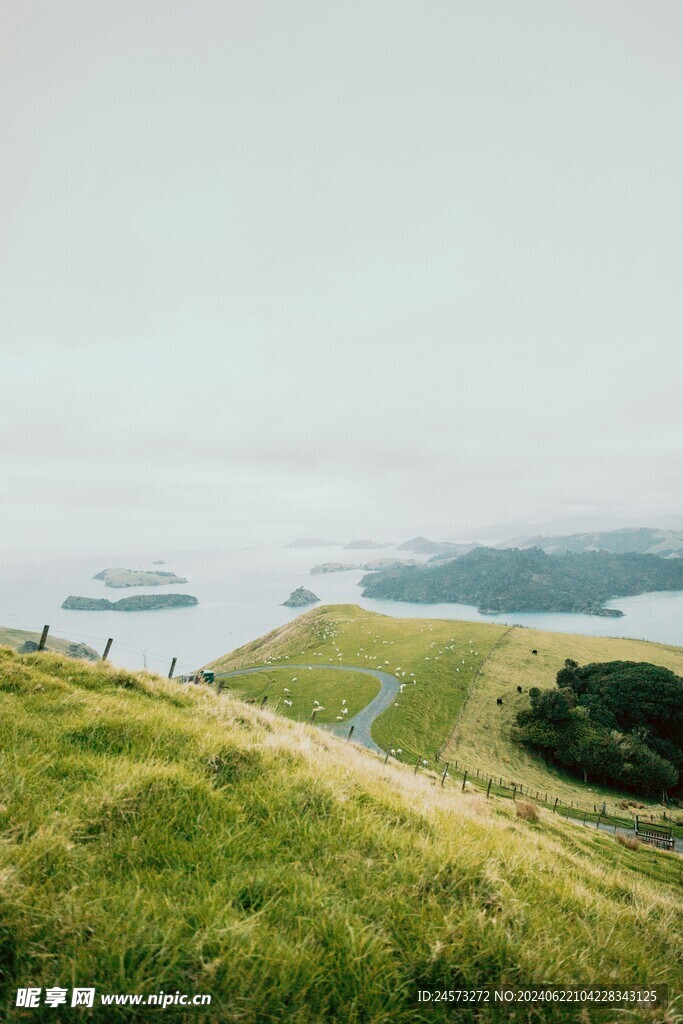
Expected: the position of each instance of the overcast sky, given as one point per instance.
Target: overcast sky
(363, 267)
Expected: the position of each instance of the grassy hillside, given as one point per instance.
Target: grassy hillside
(160, 837)
(482, 736)
(17, 638)
(436, 659)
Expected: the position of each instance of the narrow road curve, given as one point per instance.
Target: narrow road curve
(389, 687)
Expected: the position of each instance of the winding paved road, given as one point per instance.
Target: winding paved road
(389, 687)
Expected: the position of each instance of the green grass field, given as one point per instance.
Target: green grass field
(333, 689)
(156, 836)
(436, 659)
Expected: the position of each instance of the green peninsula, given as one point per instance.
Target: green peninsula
(514, 580)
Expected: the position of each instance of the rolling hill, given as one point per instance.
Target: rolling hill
(436, 659)
(157, 837)
(644, 541)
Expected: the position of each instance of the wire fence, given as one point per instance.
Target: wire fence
(161, 664)
(620, 815)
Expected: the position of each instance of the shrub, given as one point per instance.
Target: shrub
(630, 842)
(527, 812)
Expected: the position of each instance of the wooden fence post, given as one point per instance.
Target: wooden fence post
(350, 733)
(555, 807)
(464, 780)
(488, 789)
(417, 765)
(43, 639)
(107, 649)
(172, 669)
(514, 791)
(445, 773)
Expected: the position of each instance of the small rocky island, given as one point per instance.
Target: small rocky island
(325, 567)
(137, 578)
(139, 603)
(388, 563)
(300, 597)
(365, 545)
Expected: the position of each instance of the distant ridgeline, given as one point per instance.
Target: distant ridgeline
(619, 722)
(139, 603)
(644, 541)
(514, 580)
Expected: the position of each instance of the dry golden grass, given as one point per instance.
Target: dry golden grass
(528, 812)
(481, 738)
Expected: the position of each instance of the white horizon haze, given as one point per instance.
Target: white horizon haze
(270, 270)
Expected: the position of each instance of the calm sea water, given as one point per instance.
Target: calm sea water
(240, 593)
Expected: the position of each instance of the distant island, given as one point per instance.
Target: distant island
(365, 545)
(379, 563)
(300, 597)
(139, 603)
(325, 567)
(387, 563)
(313, 542)
(159, 561)
(643, 541)
(514, 580)
(137, 578)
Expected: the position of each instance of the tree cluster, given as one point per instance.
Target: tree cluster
(618, 722)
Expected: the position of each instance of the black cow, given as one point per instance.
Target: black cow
(519, 689)
(534, 651)
(499, 701)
